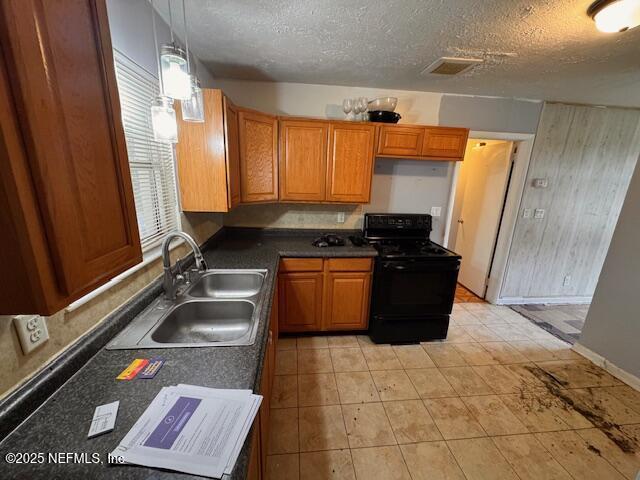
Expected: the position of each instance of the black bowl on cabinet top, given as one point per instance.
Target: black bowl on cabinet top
(384, 117)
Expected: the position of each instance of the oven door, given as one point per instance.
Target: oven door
(414, 287)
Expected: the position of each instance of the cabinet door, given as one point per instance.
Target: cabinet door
(347, 297)
(258, 135)
(266, 384)
(444, 142)
(255, 465)
(275, 332)
(303, 160)
(398, 141)
(350, 166)
(64, 102)
(300, 305)
(201, 158)
(232, 145)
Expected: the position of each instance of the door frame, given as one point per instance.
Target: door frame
(524, 141)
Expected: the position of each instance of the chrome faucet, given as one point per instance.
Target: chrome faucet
(172, 282)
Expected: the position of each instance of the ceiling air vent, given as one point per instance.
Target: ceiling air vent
(451, 66)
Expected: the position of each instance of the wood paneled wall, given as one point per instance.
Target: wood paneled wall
(588, 155)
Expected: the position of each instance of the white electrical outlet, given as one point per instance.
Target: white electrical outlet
(340, 217)
(32, 331)
(527, 213)
(538, 214)
(567, 281)
(540, 182)
(436, 211)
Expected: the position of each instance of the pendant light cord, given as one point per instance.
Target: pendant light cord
(155, 44)
(186, 35)
(170, 19)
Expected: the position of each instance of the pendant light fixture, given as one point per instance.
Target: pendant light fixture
(615, 15)
(163, 116)
(175, 72)
(193, 108)
(163, 120)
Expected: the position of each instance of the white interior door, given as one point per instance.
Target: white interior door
(485, 171)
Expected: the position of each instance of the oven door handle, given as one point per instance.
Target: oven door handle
(394, 266)
(421, 266)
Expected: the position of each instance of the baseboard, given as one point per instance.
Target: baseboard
(540, 300)
(599, 360)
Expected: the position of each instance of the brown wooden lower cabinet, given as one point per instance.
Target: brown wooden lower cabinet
(260, 441)
(300, 301)
(346, 300)
(335, 298)
(254, 471)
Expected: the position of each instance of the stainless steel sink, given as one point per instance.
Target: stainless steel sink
(205, 322)
(230, 284)
(220, 308)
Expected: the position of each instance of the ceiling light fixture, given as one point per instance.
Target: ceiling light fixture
(175, 72)
(193, 107)
(163, 116)
(615, 15)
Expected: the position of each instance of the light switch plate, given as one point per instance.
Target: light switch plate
(538, 213)
(340, 217)
(436, 211)
(32, 331)
(527, 213)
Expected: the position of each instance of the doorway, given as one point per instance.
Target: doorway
(479, 203)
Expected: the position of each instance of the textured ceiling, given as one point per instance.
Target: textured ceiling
(539, 49)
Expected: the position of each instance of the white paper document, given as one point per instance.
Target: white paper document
(104, 418)
(192, 429)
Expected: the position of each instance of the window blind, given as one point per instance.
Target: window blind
(151, 163)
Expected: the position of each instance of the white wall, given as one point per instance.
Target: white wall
(612, 328)
(409, 186)
(402, 186)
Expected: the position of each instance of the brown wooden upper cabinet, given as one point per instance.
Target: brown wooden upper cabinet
(400, 141)
(258, 134)
(303, 160)
(432, 143)
(68, 218)
(326, 161)
(350, 164)
(444, 142)
(208, 157)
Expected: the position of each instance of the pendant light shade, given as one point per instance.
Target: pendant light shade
(163, 120)
(193, 108)
(175, 73)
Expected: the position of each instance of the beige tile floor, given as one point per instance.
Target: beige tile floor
(499, 399)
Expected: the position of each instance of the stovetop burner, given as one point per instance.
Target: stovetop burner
(411, 248)
(400, 236)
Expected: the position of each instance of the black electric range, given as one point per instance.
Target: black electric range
(414, 280)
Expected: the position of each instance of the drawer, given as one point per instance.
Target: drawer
(349, 264)
(301, 265)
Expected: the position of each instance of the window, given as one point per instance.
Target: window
(151, 163)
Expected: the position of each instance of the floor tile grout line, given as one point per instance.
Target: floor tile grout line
(533, 390)
(605, 458)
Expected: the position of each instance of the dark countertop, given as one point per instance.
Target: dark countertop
(61, 423)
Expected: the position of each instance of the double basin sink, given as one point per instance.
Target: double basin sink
(220, 308)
